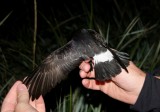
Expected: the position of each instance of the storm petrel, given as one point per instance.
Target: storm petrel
(86, 44)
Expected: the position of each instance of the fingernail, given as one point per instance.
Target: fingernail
(81, 66)
(21, 87)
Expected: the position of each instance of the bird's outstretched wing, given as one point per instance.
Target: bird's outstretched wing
(52, 70)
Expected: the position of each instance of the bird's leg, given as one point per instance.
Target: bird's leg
(91, 65)
(91, 69)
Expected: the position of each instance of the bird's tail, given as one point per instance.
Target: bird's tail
(124, 57)
(108, 69)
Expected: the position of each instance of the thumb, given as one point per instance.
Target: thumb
(23, 95)
(23, 100)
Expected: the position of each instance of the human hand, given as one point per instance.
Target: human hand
(17, 100)
(124, 87)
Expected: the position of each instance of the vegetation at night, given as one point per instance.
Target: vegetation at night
(30, 30)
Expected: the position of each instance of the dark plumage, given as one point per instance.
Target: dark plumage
(85, 45)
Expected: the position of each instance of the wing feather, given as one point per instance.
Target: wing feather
(52, 70)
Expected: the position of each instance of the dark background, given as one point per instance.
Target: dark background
(65, 17)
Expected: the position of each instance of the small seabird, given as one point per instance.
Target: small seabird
(86, 44)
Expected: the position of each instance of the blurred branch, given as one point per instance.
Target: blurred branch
(35, 32)
(146, 56)
(1, 22)
(128, 29)
(91, 14)
(5, 85)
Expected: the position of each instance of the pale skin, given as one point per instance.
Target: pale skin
(17, 100)
(124, 87)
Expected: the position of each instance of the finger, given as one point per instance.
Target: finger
(85, 66)
(23, 100)
(90, 84)
(32, 103)
(83, 74)
(23, 95)
(40, 105)
(10, 100)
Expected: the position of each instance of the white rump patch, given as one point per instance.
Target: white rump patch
(103, 56)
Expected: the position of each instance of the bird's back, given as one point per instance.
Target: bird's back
(89, 42)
